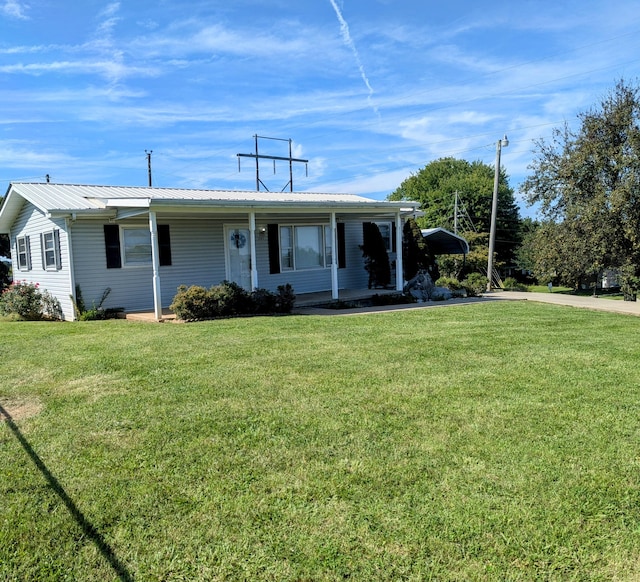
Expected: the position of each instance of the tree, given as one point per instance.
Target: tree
(5, 251)
(435, 186)
(587, 183)
(376, 258)
(416, 255)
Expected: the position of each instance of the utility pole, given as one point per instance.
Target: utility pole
(149, 164)
(501, 143)
(259, 157)
(455, 214)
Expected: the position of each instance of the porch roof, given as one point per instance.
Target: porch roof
(92, 200)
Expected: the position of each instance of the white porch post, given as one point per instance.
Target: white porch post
(254, 262)
(155, 260)
(399, 265)
(334, 257)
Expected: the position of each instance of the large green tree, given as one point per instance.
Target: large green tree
(587, 185)
(435, 187)
(5, 251)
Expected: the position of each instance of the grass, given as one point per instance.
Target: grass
(496, 441)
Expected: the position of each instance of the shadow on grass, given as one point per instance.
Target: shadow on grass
(89, 530)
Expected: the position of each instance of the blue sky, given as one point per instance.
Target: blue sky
(369, 91)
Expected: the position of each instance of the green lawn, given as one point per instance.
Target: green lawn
(495, 441)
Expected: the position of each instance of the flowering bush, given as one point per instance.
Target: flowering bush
(26, 301)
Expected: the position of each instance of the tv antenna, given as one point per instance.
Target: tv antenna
(259, 157)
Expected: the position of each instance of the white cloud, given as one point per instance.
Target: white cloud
(14, 9)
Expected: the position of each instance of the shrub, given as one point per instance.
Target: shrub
(23, 300)
(512, 284)
(286, 298)
(475, 284)
(450, 283)
(393, 299)
(229, 299)
(264, 301)
(191, 303)
(97, 311)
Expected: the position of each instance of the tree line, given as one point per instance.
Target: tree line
(585, 183)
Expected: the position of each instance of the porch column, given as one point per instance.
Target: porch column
(334, 257)
(155, 261)
(252, 241)
(399, 266)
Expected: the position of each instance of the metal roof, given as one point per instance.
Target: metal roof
(444, 242)
(76, 198)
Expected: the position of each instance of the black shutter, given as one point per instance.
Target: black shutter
(164, 245)
(56, 242)
(393, 237)
(274, 248)
(342, 251)
(42, 253)
(112, 246)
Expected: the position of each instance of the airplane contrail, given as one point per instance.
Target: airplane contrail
(346, 36)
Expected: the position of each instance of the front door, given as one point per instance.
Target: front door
(238, 256)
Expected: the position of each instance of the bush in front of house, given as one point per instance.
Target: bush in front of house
(26, 301)
(229, 299)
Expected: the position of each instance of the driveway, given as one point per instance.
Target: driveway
(588, 302)
(594, 303)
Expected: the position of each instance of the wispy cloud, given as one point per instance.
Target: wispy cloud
(346, 37)
(14, 9)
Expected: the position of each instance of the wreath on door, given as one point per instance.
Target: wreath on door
(238, 239)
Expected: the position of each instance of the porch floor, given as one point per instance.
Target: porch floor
(302, 300)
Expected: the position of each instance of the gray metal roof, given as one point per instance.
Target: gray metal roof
(75, 198)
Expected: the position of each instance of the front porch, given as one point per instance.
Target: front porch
(303, 300)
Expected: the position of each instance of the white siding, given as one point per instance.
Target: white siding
(32, 222)
(197, 258)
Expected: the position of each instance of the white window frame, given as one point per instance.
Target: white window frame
(50, 251)
(290, 250)
(388, 241)
(26, 264)
(126, 261)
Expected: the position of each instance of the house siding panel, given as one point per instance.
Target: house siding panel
(32, 222)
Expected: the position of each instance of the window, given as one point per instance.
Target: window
(305, 247)
(136, 243)
(286, 252)
(50, 245)
(132, 246)
(24, 253)
(387, 234)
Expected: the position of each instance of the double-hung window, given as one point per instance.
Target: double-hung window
(304, 247)
(136, 246)
(50, 244)
(24, 253)
(131, 246)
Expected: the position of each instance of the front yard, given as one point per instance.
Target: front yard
(491, 441)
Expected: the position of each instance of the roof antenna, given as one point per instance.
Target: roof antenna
(149, 164)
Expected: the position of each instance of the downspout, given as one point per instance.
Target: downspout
(399, 264)
(155, 260)
(252, 242)
(334, 257)
(72, 272)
